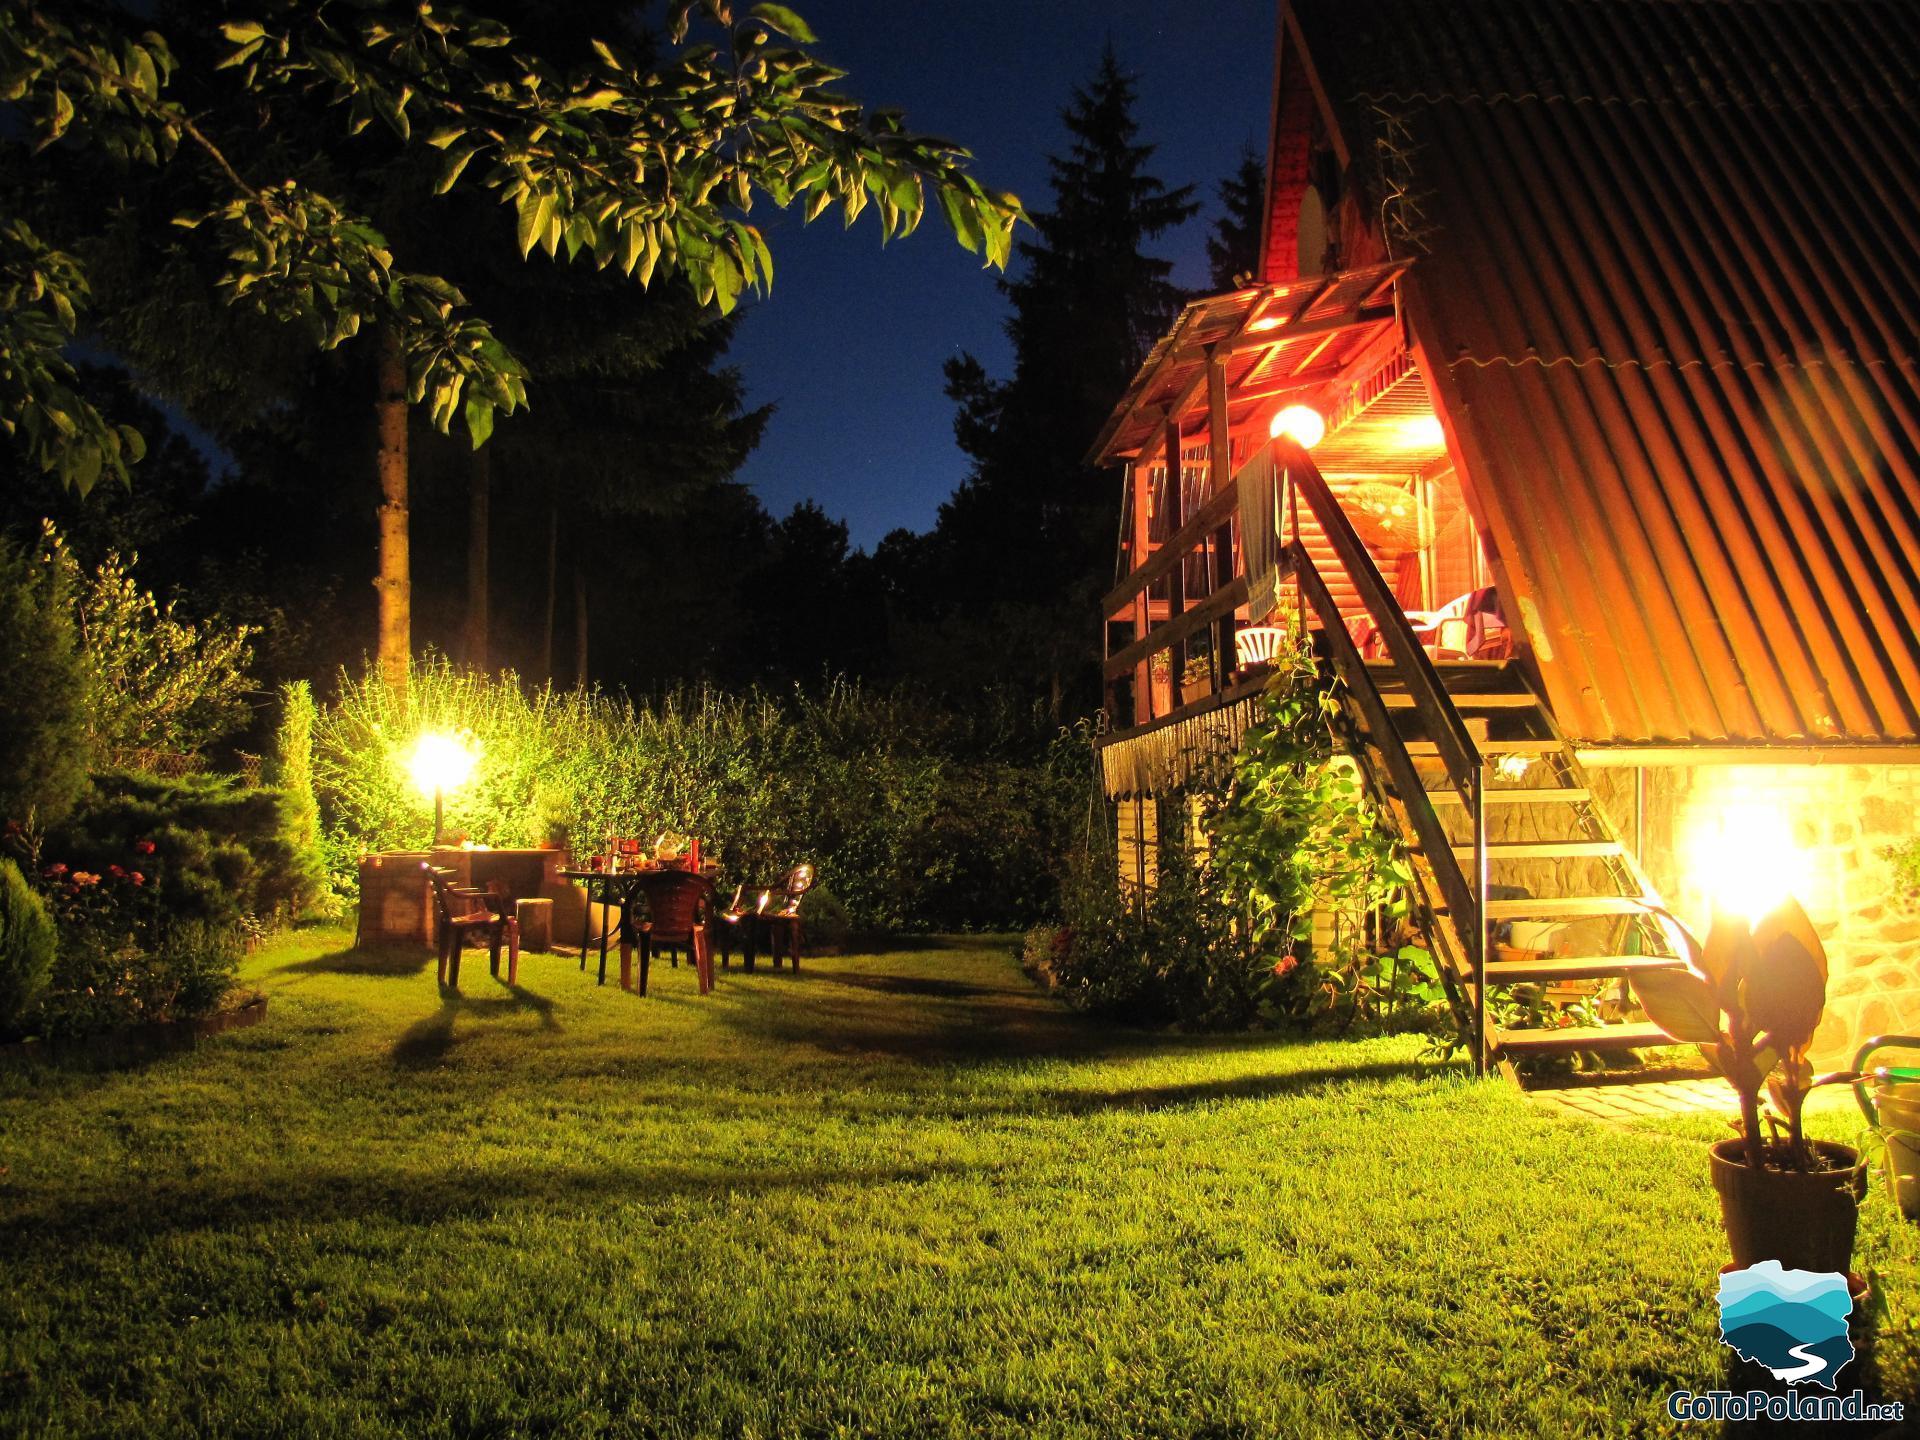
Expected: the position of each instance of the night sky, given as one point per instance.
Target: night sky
(850, 344)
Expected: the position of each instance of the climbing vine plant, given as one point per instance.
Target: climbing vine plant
(1294, 834)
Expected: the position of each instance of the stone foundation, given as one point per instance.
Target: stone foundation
(1835, 822)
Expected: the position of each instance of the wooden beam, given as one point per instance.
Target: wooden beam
(1177, 575)
(1218, 505)
(1142, 607)
(1220, 453)
(1221, 602)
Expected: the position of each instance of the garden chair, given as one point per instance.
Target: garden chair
(677, 910)
(782, 917)
(465, 912)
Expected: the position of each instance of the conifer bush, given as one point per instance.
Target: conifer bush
(26, 947)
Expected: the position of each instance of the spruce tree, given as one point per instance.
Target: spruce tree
(1025, 545)
(1233, 249)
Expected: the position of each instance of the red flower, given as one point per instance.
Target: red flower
(116, 872)
(85, 877)
(143, 847)
(54, 872)
(1287, 965)
(137, 878)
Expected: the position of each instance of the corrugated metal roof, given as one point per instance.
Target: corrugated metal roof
(1669, 271)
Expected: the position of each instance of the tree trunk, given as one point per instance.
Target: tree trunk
(394, 582)
(479, 502)
(579, 627)
(553, 565)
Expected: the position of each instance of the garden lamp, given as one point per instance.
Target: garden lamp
(439, 763)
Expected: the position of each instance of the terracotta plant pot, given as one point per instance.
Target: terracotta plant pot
(1804, 1219)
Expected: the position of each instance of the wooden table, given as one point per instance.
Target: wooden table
(615, 889)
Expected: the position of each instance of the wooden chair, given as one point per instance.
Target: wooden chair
(782, 918)
(678, 905)
(465, 912)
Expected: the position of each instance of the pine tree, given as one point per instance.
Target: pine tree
(1026, 543)
(1233, 250)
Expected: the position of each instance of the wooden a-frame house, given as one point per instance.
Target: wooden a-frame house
(1575, 408)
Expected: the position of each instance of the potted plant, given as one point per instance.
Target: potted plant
(1752, 998)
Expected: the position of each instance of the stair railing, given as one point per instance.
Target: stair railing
(1465, 769)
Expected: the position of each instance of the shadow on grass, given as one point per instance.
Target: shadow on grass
(139, 1215)
(389, 961)
(914, 985)
(429, 1041)
(1239, 1087)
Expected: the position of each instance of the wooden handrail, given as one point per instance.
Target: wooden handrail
(1223, 601)
(1444, 725)
(1177, 546)
(1435, 844)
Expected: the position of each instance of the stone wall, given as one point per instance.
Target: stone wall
(1835, 824)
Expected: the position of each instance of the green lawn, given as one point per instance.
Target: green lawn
(895, 1194)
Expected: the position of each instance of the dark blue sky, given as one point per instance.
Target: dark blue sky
(850, 344)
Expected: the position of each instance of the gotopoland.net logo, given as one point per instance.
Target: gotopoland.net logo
(1793, 1324)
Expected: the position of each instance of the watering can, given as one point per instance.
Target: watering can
(1890, 1099)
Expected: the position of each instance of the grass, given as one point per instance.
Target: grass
(900, 1194)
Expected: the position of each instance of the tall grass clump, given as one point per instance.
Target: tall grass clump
(917, 817)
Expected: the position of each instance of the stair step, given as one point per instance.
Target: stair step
(1528, 745)
(1581, 1037)
(1443, 667)
(1575, 967)
(1470, 700)
(1565, 909)
(1544, 850)
(1542, 795)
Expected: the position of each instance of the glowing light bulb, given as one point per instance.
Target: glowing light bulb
(1301, 424)
(1746, 861)
(1423, 432)
(439, 763)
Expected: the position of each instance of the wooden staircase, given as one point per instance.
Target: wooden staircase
(1551, 856)
(1502, 829)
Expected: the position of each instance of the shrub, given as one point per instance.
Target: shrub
(26, 947)
(159, 685)
(1042, 950)
(105, 979)
(289, 770)
(208, 848)
(828, 925)
(916, 817)
(45, 749)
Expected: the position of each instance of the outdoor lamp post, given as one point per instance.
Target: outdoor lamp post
(439, 763)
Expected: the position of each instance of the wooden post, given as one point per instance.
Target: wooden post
(553, 566)
(579, 627)
(479, 505)
(1220, 463)
(393, 581)
(1177, 576)
(1142, 539)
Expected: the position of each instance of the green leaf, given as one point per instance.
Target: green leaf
(241, 31)
(83, 467)
(534, 210)
(450, 172)
(479, 414)
(1680, 1003)
(782, 19)
(62, 118)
